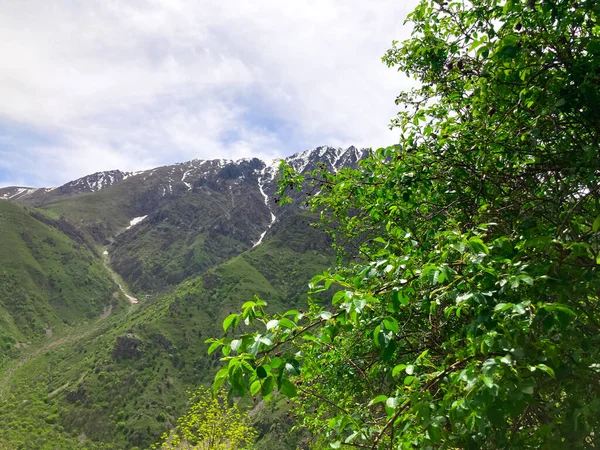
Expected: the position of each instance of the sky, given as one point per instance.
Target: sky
(98, 85)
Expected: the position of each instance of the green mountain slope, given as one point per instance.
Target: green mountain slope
(188, 235)
(197, 215)
(49, 277)
(119, 380)
(124, 386)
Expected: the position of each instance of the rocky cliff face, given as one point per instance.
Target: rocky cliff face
(180, 177)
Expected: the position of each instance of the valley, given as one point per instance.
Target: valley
(179, 248)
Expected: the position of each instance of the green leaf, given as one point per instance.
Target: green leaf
(338, 297)
(287, 388)
(287, 323)
(214, 346)
(255, 387)
(527, 390)
(546, 369)
(488, 381)
(488, 366)
(377, 338)
(378, 399)
(397, 369)
(463, 297)
(276, 362)
(359, 304)
(477, 246)
(596, 225)
(388, 350)
(558, 307)
(220, 378)
(228, 321)
(267, 386)
(261, 372)
(391, 324)
(236, 378)
(503, 306)
(293, 367)
(291, 312)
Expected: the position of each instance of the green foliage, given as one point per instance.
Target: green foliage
(49, 277)
(81, 389)
(210, 424)
(470, 318)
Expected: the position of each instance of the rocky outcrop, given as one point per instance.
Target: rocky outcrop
(161, 340)
(128, 346)
(76, 396)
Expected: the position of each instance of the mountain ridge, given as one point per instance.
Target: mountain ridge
(335, 157)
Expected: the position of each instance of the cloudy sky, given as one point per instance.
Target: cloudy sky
(97, 85)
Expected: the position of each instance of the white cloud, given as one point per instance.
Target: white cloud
(128, 85)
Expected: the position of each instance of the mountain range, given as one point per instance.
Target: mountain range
(112, 283)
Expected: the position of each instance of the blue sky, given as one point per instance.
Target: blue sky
(100, 85)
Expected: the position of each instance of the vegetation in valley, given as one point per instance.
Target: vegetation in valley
(124, 384)
(183, 238)
(50, 278)
(470, 318)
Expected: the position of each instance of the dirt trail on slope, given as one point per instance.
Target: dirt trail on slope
(131, 299)
(105, 261)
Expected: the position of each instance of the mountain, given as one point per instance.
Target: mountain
(162, 225)
(196, 240)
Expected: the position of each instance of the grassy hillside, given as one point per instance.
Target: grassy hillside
(49, 277)
(124, 386)
(104, 213)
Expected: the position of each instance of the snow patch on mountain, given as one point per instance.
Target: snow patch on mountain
(336, 157)
(135, 221)
(176, 179)
(269, 172)
(18, 193)
(97, 181)
(185, 174)
(299, 161)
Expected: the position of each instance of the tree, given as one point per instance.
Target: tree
(210, 424)
(469, 318)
